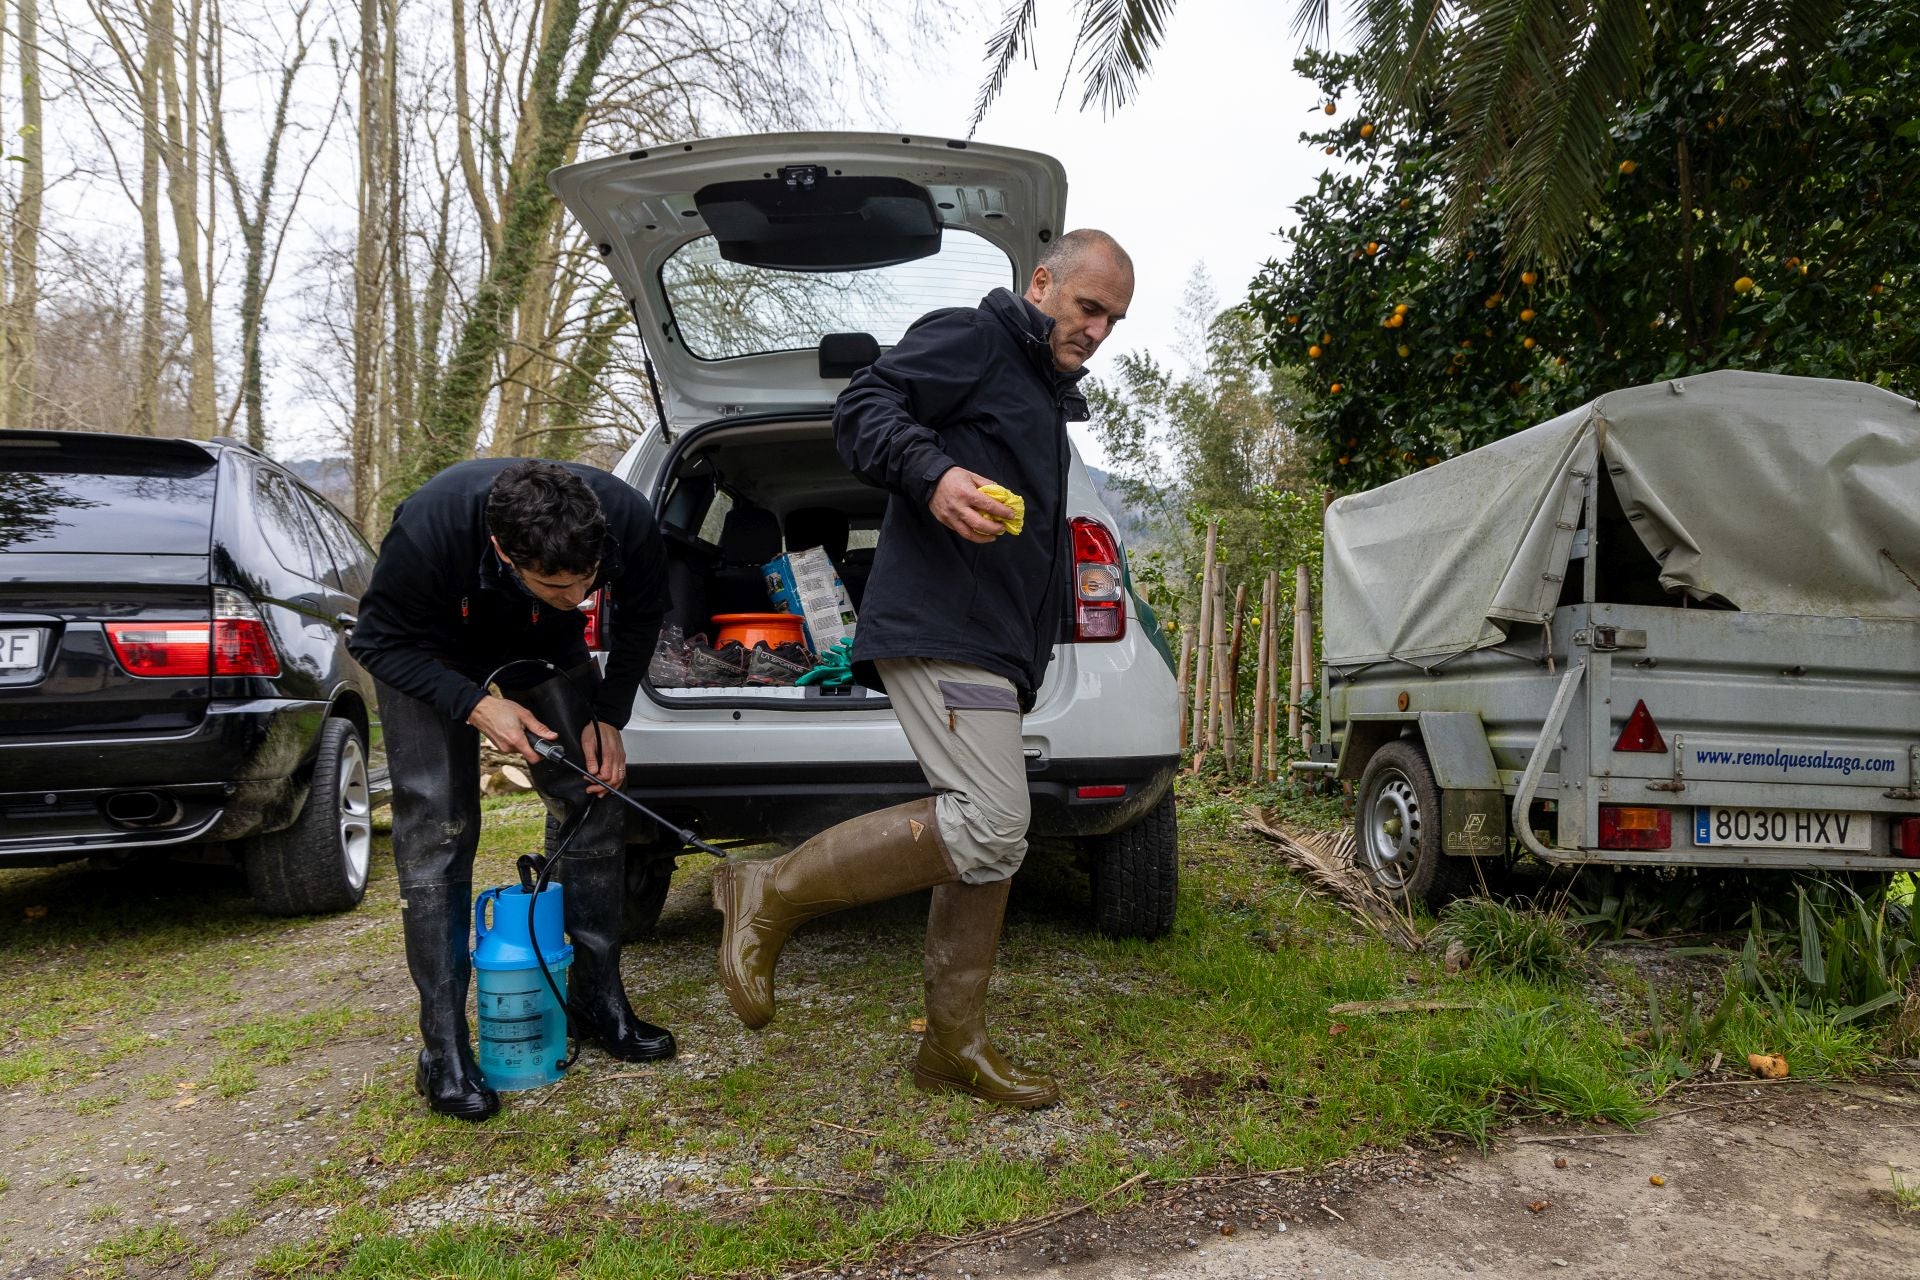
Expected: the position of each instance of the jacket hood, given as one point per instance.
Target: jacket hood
(1032, 328)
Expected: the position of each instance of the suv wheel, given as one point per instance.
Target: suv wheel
(1136, 874)
(649, 875)
(319, 864)
(1396, 829)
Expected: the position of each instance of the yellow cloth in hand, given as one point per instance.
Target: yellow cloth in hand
(1001, 494)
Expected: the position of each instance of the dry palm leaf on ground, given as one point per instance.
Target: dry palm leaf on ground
(1326, 860)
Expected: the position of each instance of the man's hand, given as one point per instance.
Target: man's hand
(958, 504)
(507, 725)
(606, 757)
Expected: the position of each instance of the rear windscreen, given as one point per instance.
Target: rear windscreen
(87, 498)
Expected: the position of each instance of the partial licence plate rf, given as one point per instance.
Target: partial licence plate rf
(20, 649)
(1755, 828)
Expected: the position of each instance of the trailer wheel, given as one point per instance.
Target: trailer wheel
(1396, 828)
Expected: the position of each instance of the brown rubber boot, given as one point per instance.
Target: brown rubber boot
(963, 931)
(870, 858)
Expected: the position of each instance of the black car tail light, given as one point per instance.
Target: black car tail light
(235, 643)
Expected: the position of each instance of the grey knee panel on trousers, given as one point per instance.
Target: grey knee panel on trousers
(964, 725)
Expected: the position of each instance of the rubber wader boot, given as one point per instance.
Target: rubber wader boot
(870, 858)
(596, 885)
(963, 930)
(435, 919)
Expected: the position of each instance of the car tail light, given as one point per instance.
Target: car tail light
(156, 650)
(1622, 827)
(1102, 791)
(595, 607)
(1906, 837)
(1099, 597)
(1641, 733)
(241, 645)
(235, 643)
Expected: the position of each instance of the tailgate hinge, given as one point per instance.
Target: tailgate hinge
(1912, 790)
(1679, 782)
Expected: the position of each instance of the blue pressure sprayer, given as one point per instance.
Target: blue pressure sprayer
(523, 1015)
(520, 957)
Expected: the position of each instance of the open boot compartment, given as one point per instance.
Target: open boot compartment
(737, 497)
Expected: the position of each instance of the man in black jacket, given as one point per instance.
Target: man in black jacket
(480, 581)
(957, 627)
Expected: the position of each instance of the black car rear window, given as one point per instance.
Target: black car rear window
(155, 498)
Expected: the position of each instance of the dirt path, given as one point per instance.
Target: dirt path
(1789, 1181)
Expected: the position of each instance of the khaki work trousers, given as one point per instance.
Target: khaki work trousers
(964, 725)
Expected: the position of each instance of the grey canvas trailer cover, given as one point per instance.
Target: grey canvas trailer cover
(1678, 625)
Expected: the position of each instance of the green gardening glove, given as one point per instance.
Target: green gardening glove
(835, 669)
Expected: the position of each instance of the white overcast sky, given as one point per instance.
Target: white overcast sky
(1203, 167)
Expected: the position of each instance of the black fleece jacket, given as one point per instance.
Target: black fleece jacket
(442, 611)
(974, 387)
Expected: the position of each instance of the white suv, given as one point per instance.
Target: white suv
(764, 272)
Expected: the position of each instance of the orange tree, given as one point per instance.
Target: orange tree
(1762, 216)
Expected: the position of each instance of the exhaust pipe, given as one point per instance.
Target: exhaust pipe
(141, 809)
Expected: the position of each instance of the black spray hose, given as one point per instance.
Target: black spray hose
(554, 752)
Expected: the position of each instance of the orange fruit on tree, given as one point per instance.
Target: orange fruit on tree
(1395, 321)
(1366, 131)
(1330, 108)
(1406, 204)
(1465, 343)
(1743, 285)
(1401, 309)
(1334, 390)
(1527, 343)
(1526, 313)
(1343, 459)
(1373, 247)
(1627, 167)
(1293, 319)
(1877, 289)
(1329, 150)
(1326, 337)
(1403, 350)
(1529, 278)
(1313, 352)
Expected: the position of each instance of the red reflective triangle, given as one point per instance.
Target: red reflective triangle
(1641, 733)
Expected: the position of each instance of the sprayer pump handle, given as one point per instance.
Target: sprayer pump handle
(547, 750)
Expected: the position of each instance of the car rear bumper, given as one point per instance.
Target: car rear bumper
(233, 775)
(788, 800)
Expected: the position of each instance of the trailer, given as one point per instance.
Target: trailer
(1679, 625)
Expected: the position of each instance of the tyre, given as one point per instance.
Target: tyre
(1396, 828)
(649, 875)
(1136, 874)
(319, 864)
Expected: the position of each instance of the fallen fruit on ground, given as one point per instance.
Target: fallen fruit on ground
(1768, 1066)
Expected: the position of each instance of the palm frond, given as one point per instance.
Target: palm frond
(1557, 169)
(1015, 33)
(1404, 43)
(1312, 22)
(1115, 48)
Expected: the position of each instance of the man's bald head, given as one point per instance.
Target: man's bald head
(1084, 282)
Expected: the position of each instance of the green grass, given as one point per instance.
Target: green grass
(154, 1246)
(1906, 1194)
(1214, 1048)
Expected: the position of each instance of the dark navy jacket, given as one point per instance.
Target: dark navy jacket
(442, 611)
(974, 387)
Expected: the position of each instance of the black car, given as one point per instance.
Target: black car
(173, 664)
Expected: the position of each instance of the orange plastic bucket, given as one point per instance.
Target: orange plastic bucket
(752, 628)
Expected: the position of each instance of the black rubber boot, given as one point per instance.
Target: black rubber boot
(595, 881)
(435, 917)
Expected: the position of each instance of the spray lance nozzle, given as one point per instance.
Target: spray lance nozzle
(552, 751)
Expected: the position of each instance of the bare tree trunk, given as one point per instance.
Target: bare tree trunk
(1303, 645)
(181, 115)
(370, 258)
(1272, 642)
(1219, 653)
(452, 422)
(146, 395)
(23, 284)
(402, 406)
(253, 230)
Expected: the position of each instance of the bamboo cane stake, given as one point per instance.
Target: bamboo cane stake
(1203, 642)
(1186, 670)
(1257, 764)
(1303, 628)
(1293, 669)
(1274, 769)
(1218, 695)
(1230, 704)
